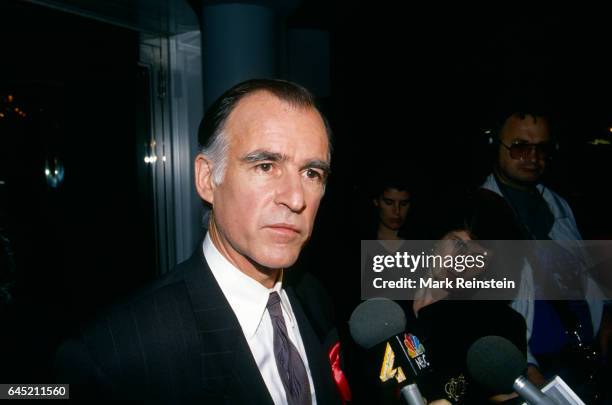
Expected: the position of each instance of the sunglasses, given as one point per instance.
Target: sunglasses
(523, 151)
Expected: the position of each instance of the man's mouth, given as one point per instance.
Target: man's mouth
(284, 229)
(531, 168)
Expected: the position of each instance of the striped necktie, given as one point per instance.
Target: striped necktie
(288, 361)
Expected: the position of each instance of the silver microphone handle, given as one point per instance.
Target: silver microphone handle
(531, 393)
(411, 395)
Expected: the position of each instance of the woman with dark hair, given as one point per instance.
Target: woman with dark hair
(391, 197)
(392, 202)
(450, 321)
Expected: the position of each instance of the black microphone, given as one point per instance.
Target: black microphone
(380, 320)
(499, 365)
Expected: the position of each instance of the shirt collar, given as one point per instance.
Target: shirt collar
(247, 297)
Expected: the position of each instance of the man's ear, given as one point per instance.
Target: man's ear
(375, 202)
(203, 178)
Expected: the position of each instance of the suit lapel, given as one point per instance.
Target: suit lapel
(248, 375)
(228, 366)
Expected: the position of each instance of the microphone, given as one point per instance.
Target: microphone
(498, 365)
(380, 320)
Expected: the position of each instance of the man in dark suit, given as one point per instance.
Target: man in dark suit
(229, 325)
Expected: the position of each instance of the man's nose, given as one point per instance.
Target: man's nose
(396, 209)
(533, 154)
(290, 192)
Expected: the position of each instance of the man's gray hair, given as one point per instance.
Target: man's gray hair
(217, 154)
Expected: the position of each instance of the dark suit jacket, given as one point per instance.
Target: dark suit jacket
(178, 341)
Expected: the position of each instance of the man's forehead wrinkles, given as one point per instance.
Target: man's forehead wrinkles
(530, 138)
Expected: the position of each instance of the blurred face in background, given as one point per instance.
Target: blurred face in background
(393, 206)
(524, 149)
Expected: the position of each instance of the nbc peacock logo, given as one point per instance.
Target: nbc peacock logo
(414, 345)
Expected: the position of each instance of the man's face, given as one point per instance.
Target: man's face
(277, 164)
(393, 206)
(530, 130)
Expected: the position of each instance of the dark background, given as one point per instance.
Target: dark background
(416, 86)
(423, 84)
(81, 245)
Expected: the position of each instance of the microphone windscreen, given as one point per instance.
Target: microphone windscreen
(375, 321)
(495, 363)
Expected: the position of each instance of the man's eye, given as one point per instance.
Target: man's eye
(264, 167)
(313, 174)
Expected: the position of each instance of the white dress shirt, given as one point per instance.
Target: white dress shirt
(564, 228)
(248, 299)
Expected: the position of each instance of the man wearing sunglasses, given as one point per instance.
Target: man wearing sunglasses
(524, 148)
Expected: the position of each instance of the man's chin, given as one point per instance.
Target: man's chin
(530, 179)
(278, 261)
(526, 177)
